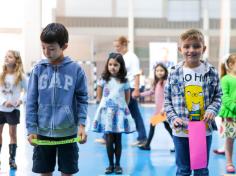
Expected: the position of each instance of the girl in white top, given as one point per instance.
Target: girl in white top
(12, 82)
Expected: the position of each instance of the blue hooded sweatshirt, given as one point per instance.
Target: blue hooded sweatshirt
(57, 99)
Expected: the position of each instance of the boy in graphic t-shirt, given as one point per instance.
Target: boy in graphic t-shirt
(192, 93)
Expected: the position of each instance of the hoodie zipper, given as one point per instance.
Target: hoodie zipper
(54, 96)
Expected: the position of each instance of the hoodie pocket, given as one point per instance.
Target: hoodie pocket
(55, 117)
(63, 118)
(45, 116)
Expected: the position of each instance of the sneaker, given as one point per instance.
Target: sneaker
(144, 147)
(136, 143)
(142, 143)
(219, 152)
(100, 140)
(118, 170)
(109, 170)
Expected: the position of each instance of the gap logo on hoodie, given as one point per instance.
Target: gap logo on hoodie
(57, 80)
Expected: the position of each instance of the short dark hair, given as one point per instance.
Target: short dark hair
(55, 32)
(122, 72)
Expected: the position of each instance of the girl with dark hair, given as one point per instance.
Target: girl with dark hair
(113, 116)
(160, 76)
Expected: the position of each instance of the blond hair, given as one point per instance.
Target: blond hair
(18, 70)
(192, 34)
(231, 59)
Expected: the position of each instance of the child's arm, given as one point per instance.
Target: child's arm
(168, 106)
(127, 92)
(82, 134)
(32, 103)
(136, 92)
(81, 94)
(228, 102)
(99, 93)
(215, 104)
(147, 93)
(127, 96)
(24, 85)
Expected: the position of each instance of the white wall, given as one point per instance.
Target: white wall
(177, 10)
(103, 8)
(183, 10)
(11, 13)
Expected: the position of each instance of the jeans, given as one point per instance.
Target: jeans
(135, 113)
(183, 159)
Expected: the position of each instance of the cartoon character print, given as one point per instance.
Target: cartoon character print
(7, 89)
(195, 102)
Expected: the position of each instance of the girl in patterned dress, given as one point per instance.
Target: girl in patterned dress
(228, 108)
(113, 116)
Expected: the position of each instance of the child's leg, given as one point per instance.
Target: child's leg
(229, 142)
(12, 146)
(118, 148)
(48, 174)
(110, 148)
(12, 133)
(150, 135)
(182, 158)
(1, 129)
(168, 128)
(205, 171)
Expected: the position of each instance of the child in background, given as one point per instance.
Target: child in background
(56, 107)
(160, 76)
(228, 108)
(189, 80)
(12, 82)
(113, 116)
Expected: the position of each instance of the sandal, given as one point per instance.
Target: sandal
(109, 170)
(230, 168)
(118, 170)
(219, 152)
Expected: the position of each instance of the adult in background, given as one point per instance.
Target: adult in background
(133, 73)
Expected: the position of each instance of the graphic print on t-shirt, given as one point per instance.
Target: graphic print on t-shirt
(194, 96)
(194, 102)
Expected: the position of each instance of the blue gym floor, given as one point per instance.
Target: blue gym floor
(93, 158)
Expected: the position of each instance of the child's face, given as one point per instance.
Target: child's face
(52, 51)
(159, 72)
(192, 51)
(113, 67)
(10, 59)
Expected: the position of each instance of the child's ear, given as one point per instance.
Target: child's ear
(204, 49)
(179, 49)
(65, 46)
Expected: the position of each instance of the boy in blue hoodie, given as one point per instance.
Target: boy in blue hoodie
(56, 107)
